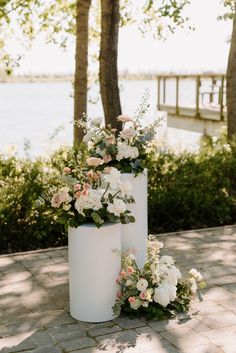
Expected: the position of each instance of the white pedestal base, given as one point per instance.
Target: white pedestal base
(134, 235)
(93, 269)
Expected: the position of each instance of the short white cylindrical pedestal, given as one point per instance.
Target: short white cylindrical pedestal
(93, 268)
(134, 235)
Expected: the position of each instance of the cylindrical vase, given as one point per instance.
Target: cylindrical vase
(134, 235)
(94, 264)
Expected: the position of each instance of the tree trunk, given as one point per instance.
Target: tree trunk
(81, 67)
(108, 71)
(231, 84)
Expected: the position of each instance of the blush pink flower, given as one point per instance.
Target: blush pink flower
(122, 274)
(110, 140)
(77, 194)
(86, 186)
(118, 280)
(124, 118)
(132, 300)
(56, 200)
(66, 170)
(130, 270)
(77, 187)
(107, 159)
(94, 161)
(85, 192)
(143, 295)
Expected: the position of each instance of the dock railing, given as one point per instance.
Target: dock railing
(199, 96)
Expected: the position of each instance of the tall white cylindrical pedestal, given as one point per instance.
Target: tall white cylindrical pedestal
(134, 235)
(93, 268)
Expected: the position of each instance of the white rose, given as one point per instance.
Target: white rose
(126, 188)
(117, 207)
(66, 207)
(142, 284)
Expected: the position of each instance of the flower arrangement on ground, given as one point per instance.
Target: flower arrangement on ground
(127, 150)
(158, 289)
(91, 196)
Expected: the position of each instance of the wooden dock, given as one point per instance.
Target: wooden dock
(205, 109)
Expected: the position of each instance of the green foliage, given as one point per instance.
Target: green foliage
(57, 19)
(230, 10)
(186, 191)
(189, 191)
(26, 219)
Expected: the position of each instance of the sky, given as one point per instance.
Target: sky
(185, 51)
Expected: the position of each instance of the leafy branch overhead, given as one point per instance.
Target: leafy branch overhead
(57, 18)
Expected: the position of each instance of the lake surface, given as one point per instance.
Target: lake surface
(33, 112)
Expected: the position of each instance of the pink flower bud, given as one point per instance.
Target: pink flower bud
(130, 270)
(77, 194)
(66, 170)
(77, 187)
(132, 300)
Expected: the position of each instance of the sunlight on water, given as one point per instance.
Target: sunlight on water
(42, 113)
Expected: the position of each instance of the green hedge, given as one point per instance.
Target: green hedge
(186, 191)
(190, 191)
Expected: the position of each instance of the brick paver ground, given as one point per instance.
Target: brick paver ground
(35, 314)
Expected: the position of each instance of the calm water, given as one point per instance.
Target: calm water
(34, 111)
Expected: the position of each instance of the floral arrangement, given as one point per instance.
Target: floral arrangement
(158, 289)
(91, 196)
(127, 150)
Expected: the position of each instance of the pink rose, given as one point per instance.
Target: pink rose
(77, 187)
(86, 186)
(122, 274)
(85, 192)
(57, 200)
(130, 270)
(94, 161)
(132, 300)
(124, 118)
(142, 295)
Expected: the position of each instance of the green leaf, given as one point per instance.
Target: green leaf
(97, 219)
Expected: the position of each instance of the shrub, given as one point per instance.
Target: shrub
(26, 219)
(189, 191)
(186, 191)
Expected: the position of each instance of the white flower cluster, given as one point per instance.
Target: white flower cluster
(90, 200)
(126, 151)
(157, 282)
(111, 193)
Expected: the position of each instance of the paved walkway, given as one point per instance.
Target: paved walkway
(35, 315)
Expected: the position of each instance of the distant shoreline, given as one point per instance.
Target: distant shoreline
(65, 78)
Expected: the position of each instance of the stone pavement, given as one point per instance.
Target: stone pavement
(34, 312)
